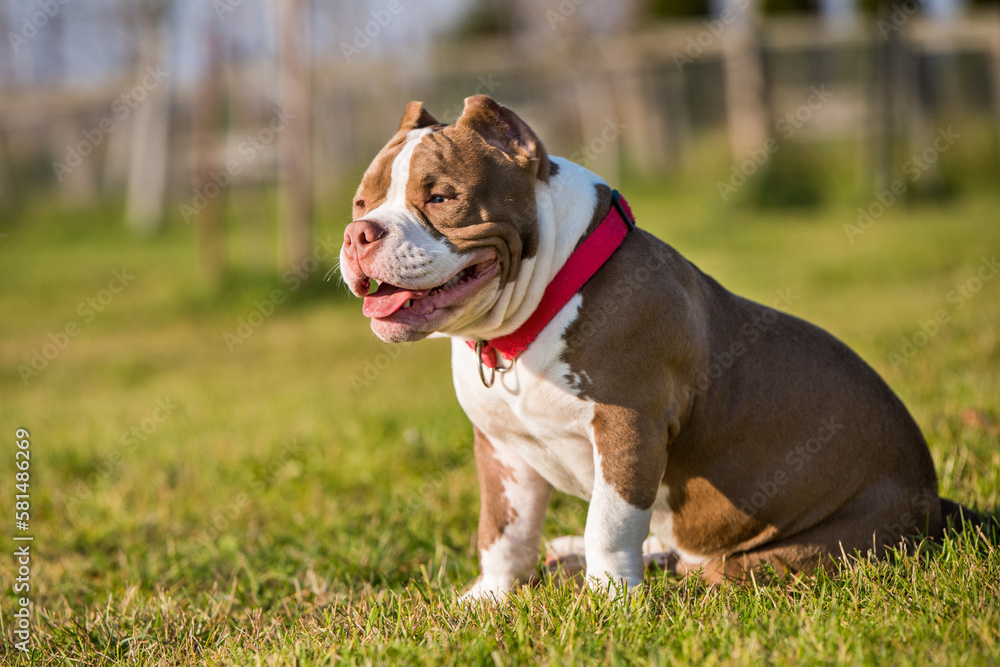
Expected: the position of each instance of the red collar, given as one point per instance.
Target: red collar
(578, 269)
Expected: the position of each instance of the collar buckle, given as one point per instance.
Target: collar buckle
(623, 210)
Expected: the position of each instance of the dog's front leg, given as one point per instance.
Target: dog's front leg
(628, 468)
(513, 500)
(613, 538)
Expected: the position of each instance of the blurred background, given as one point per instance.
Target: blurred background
(212, 421)
(233, 115)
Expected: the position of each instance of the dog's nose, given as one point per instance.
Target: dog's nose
(362, 236)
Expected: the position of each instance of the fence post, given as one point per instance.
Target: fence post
(206, 129)
(746, 88)
(294, 146)
(150, 146)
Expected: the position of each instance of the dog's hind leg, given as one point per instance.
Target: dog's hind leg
(873, 522)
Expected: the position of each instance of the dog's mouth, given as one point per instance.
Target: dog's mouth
(391, 300)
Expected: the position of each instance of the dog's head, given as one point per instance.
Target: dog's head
(443, 219)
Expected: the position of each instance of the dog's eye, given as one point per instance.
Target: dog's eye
(437, 199)
(360, 203)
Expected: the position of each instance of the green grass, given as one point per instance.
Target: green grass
(311, 496)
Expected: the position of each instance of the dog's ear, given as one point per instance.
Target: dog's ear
(416, 117)
(502, 128)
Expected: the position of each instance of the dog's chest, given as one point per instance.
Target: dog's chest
(531, 410)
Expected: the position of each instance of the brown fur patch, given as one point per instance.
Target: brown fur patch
(634, 419)
(633, 452)
(495, 512)
(790, 428)
(862, 525)
(503, 129)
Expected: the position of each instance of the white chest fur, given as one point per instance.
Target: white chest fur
(531, 412)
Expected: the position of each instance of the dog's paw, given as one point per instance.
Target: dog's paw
(615, 586)
(564, 560)
(657, 557)
(565, 556)
(567, 545)
(489, 589)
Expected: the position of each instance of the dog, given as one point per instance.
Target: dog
(592, 358)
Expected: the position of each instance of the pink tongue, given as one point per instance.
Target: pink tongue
(386, 300)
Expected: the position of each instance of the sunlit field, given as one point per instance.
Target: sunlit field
(244, 474)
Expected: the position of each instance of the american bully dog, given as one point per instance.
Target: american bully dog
(593, 358)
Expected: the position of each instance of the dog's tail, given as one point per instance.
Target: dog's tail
(959, 517)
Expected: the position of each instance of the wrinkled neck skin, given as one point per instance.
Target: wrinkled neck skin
(565, 206)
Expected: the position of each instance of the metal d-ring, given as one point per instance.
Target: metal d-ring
(480, 346)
